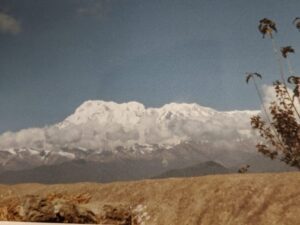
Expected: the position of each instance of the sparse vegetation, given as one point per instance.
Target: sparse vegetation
(63, 208)
(279, 126)
(244, 169)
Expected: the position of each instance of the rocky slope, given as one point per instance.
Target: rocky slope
(248, 199)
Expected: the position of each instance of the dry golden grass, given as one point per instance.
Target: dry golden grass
(238, 199)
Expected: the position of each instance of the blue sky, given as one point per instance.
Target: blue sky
(56, 54)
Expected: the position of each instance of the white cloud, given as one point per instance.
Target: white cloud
(105, 125)
(31, 137)
(8, 24)
(269, 96)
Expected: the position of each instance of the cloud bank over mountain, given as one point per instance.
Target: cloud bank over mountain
(99, 125)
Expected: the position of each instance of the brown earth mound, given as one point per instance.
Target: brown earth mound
(243, 199)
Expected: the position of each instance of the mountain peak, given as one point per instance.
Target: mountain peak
(98, 105)
(98, 125)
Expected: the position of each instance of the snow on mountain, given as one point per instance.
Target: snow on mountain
(141, 142)
(99, 125)
(176, 134)
(126, 114)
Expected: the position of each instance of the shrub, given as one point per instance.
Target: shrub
(279, 126)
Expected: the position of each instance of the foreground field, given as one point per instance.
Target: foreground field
(237, 199)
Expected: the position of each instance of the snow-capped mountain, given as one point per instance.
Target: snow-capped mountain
(131, 123)
(105, 131)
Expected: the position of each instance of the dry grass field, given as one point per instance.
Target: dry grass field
(235, 199)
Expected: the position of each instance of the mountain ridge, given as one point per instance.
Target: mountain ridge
(174, 136)
(105, 125)
(200, 169)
